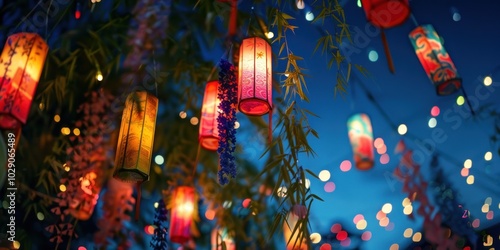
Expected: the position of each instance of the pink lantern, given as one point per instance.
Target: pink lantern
(361, 138)
(209, 133)
(183, 205)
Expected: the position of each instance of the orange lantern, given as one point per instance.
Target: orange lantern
(255, 77)
(209, 133)
(435, 60)
(361, 137)
(222, 236)
(386, 13)
(22, 63)
(136, 138)
(82, 205)
(294, 238)
(183, 206)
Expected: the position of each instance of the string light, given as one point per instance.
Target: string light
(99, 76)
(487, 81)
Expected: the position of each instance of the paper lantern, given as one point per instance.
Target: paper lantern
(435, 60)
(136, 138)
(255, 77)
(361, 138)
(21, 63)
(295, 240)
(181, 214)
(209, 133)
(82, 205)
(220, 236)
(386, 13)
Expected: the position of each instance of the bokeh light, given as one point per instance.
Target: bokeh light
(366, 236)
(309, 16)
(379, 142)
(432, 122)
(341, 235)
(159, 159)
(382, 149)
(390, 227)
(435, 111)
(329, 187)
(325, 246)
(408, 210)
(490, 215)
(346, 242)
(402, 129)
(488, 156)
(468, 163)
(476, 223)
(485, 208)
(357, 218)
(460, 100)
(336, 228)
(464, 172)
(487, 81)
(406, 202)
(373, 55)
(281, 192)
(315, 238)
(194, 120)
(408, 233)
(417, 237)
(324, 175)
(394, 246)
(246, 202)
(362, 224)
(183, 114)
(470, 179)
(387, 208)
(384, 159)
(345, 165)
(384, 222)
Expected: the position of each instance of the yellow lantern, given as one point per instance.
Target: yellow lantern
(136, 138)
(22, 63)
(295, 240)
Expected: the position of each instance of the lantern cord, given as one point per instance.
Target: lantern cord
(414, 20)
(387, 51)
(27, 15)
(250, 20)
(138, 201)
(467, 100)
(154, 71)
(47, 19)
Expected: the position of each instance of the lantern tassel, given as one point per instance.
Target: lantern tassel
(387, 51)
(138, 201)
(270, 126)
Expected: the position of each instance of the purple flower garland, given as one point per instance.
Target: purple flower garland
(160, 239)
(227, 94)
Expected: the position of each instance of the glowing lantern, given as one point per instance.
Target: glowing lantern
(386, 13)
(295, 240)
(222, 236)
(209, 133)
(22, 63)
(361, 137)
(136, 138)
(255, 77)
(183, 205)
(435, 60)
(82, 205)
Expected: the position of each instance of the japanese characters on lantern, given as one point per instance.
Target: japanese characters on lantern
(136, 138)
(361, 137)
(435, 60)
(386, 13)
(209, 133)
(183, 205)
(295, 239)
(255, 77)
(22, 60)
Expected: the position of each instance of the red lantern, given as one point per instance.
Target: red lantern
(181, 214)
(209, 133)
(255, 77)
(22, 63)
(361, 137)
(435, 60)
(386, 13)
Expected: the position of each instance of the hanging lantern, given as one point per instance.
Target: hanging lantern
(209, 133)
(435, 60)
(136, 138)
(295, 240)
(222, 236)
(22, 63)
(361, 137)
(386, 13)
(181, 214)
(255, 77)
(82, 205)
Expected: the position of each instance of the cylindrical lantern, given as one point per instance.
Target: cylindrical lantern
(85, 199)
(361, 137)
(222, 236)
(295, 240)
(386, 13)
(435, 60)
(255, 77)
(209, 133)
(136, 138)
(22, 63)
(181, 213)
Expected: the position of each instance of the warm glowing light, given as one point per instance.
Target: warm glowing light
(16, 244)
(149, 229)
(159, 159)
(183, 114)
(476, 223)
(487, 81)
(402, 129)
(489, 215)
(357, 218)
(379, 142)
(408, 233)
(66, 167)
(394, 246)
(246, 202)
(324, 175)
(208, 134)
(345, 166)
(65, 130)
(384, 222)
(408, 210)
(468, 163)
(99, 76)
(380, 215)
(194, 120)
(359, 4)
(76, 131)
(62, 187)
(361, 225)
(460, 100)
(406, 202)
(309, 16)
(57, 118)
(384, 159)
(236, 125)
(325, 246)
(382, 149)
(308, 183)
(488, 156)
(300, 4)
(315, 238)
(387, 208)
(155, 205)
(329, 187)
(432, 122)
(366, 236)
(435, 111)
(417, 237)
(210, 214)
(294, 239)
(181, 214)
(269, 35)
(464, 172)
(342, 235)
(281, 192)
(485, 208)
(40, 216)
(470, 179)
